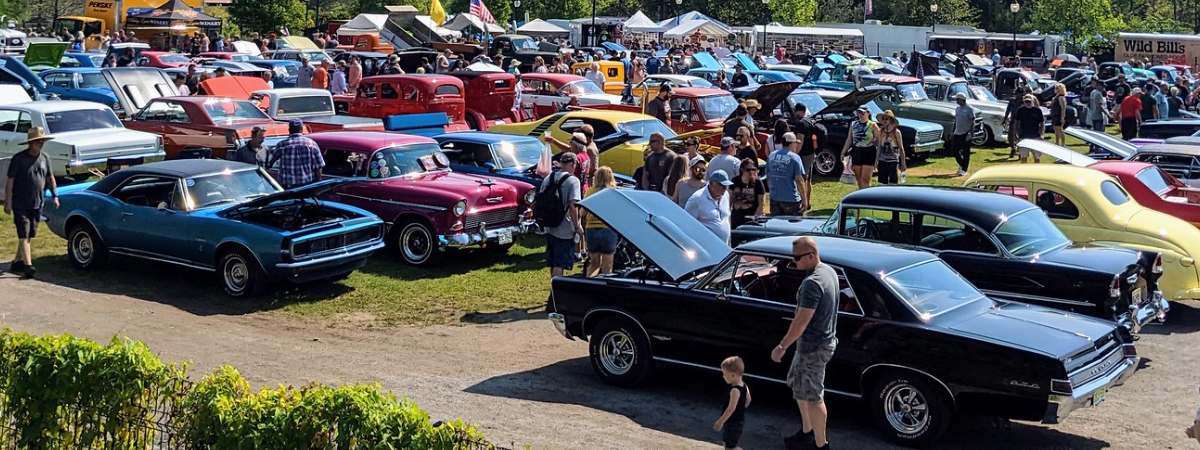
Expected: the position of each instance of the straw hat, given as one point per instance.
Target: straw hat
(37, 134)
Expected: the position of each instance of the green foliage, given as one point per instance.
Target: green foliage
(793, 12)
(916, 12)
(228, 26)
(265, 16)
(1157, 23)
(1084, 24)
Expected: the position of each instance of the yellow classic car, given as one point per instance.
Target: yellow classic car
(1091, 207)
(621, 136)
(613, 71)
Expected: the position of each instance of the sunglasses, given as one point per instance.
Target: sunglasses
(803, 255)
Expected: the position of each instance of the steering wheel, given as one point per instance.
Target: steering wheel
(742, 283)
(865, 229)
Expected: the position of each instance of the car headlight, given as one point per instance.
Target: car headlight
(529, 195)
(460, 208)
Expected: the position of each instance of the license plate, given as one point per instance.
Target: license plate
(1136, 295)
(1098, 397)
(505, 237)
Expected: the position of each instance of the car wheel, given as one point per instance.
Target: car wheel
(910, 409)
(416, 243)
(84, 247)
(991, 137)
(620, 352)
(827, 164)
(240, 275)
(981, 139)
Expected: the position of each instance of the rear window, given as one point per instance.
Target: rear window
(447, 89)
(1154, 180)
(1113, 193)
(312, 104)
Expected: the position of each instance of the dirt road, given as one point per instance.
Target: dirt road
(524, 384)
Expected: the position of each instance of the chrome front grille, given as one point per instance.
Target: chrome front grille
(928, 136)
(1097, 368)
(493, 218)
(335, 242)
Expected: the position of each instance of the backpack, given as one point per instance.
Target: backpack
(548, 208)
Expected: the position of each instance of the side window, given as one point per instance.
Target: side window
(1056, 206)
(386, 90)
(1020, 192)
(847, 299)
(60, 80)
(148, 191)
(934, 91)
(941, 233)
(367, 90)
(23, 123)
(679, 107)
(603, 128)
(341, 163)
(746, 276)
(8, 120)
(163, 112)
(879, 224)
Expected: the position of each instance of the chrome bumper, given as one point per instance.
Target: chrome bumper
(928, 147)
(560, 324)
(85, 165)
(1090, 394)
(1154, 309)
(351, 254)
(483, 236)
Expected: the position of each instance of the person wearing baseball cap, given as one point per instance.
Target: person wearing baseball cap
(299, 158)
(960, 139)
(694, 181)
(710, 206)
(1031, 123)
(726, 160)
(29, 174)
(785, 177)
(860, 146)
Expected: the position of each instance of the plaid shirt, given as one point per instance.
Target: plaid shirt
(299, 160)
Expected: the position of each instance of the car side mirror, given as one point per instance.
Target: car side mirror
(162, 207)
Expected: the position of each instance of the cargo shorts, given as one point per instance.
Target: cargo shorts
(806, 377)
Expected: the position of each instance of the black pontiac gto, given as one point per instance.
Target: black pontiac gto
(918, 342)
(1004, 245)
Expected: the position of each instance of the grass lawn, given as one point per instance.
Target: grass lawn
(467, 287)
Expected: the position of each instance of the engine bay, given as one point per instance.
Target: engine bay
(296, 215)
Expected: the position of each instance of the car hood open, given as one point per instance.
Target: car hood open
(706, 60)
(1062, 154)
(1112, 144)
(233, 86)
(846, 104)
(1053, 332)
(47, 54)
(135, 87)
(660, 229)
(307, 191)
(770, 96)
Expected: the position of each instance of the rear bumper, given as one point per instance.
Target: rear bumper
(85, 164)
(560, 324)
(1090, 394)
(497, 236)
(1154, 309)
(326, 266)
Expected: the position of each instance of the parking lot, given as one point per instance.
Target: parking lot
(523, 384)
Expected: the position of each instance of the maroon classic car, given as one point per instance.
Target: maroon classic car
(406, 181)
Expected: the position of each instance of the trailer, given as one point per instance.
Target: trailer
(1182, 49)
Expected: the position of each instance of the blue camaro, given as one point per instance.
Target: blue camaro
(81, 83)
(215, 215)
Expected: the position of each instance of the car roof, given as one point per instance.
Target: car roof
(897, 79)
(366, 141)
(1120, 167)
(484, 137)
(73, 70)
(698, 92)
(615, 116)
(1175, 149)
(559, 77)
(296, 92)
(425, 78)
(198, 99)
(183, 168)
(868, 256)
(49, 106)
(981, 208)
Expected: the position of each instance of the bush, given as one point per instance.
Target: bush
(65, 392)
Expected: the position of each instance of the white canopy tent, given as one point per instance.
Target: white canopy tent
(541, 27)
(443, 32)
(693, 15)
(691, 27)
(363, 24)
(462, 21)
(640, 23)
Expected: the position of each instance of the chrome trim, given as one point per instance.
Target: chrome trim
(246, 248)
(155, 257)
(350, 254)
(1059, 406)
(393, 202)
(560, 324)
(583, 323)
(993, 293)
(482, 236)
(922, 372)
(883, 279)
(757, 377)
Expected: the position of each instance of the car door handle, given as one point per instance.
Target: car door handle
(126, 214)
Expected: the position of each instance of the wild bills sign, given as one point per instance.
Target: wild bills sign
(1159, 48)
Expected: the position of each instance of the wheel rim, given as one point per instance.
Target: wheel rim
(237, 273)
(906, 409)
(979, 140)
(617, 352)
(416, 243)
(84, 247)
(825, 162)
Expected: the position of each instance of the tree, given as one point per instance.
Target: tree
(1082, 23)
(839, 11)
(793, 12)
(917, 13)
(265, 16)
(228, 27)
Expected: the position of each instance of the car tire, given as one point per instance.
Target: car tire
(982, 139)
(910, 409)
(240, 275)
(827, 163)
(84, 247)
(416, 243)
(620, 352)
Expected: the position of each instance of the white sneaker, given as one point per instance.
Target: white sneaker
(962, 173)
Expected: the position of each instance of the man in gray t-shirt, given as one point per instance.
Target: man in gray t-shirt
(813, 329)
(560, 239)
(29, 174)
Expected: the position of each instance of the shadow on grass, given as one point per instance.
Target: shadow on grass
(525, 256)
(506, 316)
(684, 402)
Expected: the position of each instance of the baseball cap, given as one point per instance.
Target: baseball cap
(696, 160)
(719, 176)
(862, 109)
(789, 137)
(960, 96)
(752, 103)
(726, 141)
(295, 126)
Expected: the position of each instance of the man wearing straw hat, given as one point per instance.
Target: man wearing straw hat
(28, 174)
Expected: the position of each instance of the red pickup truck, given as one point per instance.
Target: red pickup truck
(381, 96)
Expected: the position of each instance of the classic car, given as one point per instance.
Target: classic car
(381, 96)
(1179, 156)
(217, 216)
(314, 107)
(1168, 128)
(1165, 73)
(650, 86)
(1092, 208)
(84, 83)
(87, 136)
(798, 69)
(521, 48)
(1005, 246)
(229, 56)
(314, 56)
(1006, 80)
(490, 97)
(822, 76)
(613, 72)
(163, 60)
(13, 71)
(921, 139)
(523, 158)
(372, 62)
(991, 110)
(693, 109)
(543, 94)
(756, 77)
(127, 53)
(283, 72)
(916, 341)
(45, 55)
(407, 181)
(86, 59)
(622, 136)
(910, 101)
(204, 126)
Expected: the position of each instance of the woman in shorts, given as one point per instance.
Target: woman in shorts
(861, 147)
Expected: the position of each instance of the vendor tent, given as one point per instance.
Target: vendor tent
(463, 21)
(673, 22)
(173, 14)
(692, 27)
(639, 23)
(539, 27)
(363, 24)
(443, 32)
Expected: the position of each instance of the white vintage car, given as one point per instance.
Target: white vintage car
(990, 109)
(86, 136)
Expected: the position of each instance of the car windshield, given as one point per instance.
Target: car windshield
(932, 288)
(1153, 178)
(1029, 233)
(287, 70)
(582, 87)
(306, 105)
(982, 93)
(519, 155)
(232, 110)
(317, 56)
(524, 44)
(81, 119)
(813, 103)
(93, 80)
(910, 92)
(174, 59)
(717, 106)
(958, 88)
(642, 129)
(406, 160)
(699, 82)
(229, 187)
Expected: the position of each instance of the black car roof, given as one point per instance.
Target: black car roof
(981, 208)
(179, 168)
(857, 254)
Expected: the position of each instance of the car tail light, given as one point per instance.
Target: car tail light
(1114, 289)
(1061, 387)
(1128, 350)
(1158, 265)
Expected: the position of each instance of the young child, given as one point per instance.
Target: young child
(733, 419)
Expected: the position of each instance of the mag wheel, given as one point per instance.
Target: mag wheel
(910, 409)
(620, 352)
(84, 247)
(827, 164)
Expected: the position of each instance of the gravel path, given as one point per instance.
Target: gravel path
(522, 383)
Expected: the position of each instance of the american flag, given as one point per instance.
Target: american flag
(480, 10)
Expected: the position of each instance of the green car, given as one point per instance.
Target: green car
(910, 101)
